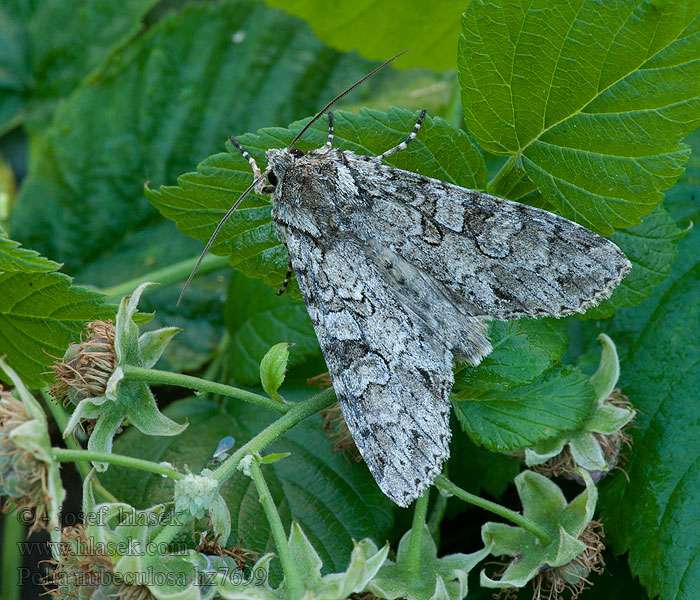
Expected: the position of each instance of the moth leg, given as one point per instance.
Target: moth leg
(287, 277)
(329, 144)
(402, 145)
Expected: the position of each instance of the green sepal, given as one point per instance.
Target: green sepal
(544, 504)
(440, 578)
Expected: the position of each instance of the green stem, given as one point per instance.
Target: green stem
(64, 455)
(504, 171)
(295, 415)
(13, 534)
(295, 587)
(133, 373)
(167, 275)
(414, 544)
(444, 484)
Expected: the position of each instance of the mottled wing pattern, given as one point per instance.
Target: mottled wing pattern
(500, 259)
(392, 375)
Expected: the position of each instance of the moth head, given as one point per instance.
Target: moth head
(278, 162)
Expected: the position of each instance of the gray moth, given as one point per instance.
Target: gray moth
(400, 273)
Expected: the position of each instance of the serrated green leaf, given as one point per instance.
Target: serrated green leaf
(379, 29)
(257, 318)
(598, 130)
(522, 350)
(682, 200)
(506, 420)
(654, 515)
(48, 47)
(273, 368)
(332, 499)
(41, 313)
(15, 258)
(652, 248)
(201, 199)
(161, 103)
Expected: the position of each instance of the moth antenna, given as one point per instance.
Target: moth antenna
(339, 96)
(216, 232)
(329, 143)
(403, 145)
(251, 161)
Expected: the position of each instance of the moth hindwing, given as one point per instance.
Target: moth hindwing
(399, 273)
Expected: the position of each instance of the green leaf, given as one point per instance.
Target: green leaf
(652, 248)
(506, 420)
(257, 318)
(15, 258)
(378, 29)
(48, 47)
(160, 104)
(201, 199)
(273, 368)
(683, 200)
(592, 99)
(522, 350)
(654, 515)
(333, 499)
(41, 313)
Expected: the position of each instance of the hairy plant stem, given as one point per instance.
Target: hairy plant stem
(294, 415)
(14, 533)
(167, 275)
(414, 544)
(295, 587)
(133, 373)
(503, 172)
(65, 455)
(442, 483)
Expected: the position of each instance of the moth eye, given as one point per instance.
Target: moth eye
(272, 178)
(297, 153)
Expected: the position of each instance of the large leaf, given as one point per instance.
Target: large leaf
(591, 98)
(41, 313)
(160, 104)
(522, 350)
(201, 199)
(683, 200)
(505, 420)
(48, 47)
(257, 319)
(333, 499)
(379, 29)
(655, 514)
